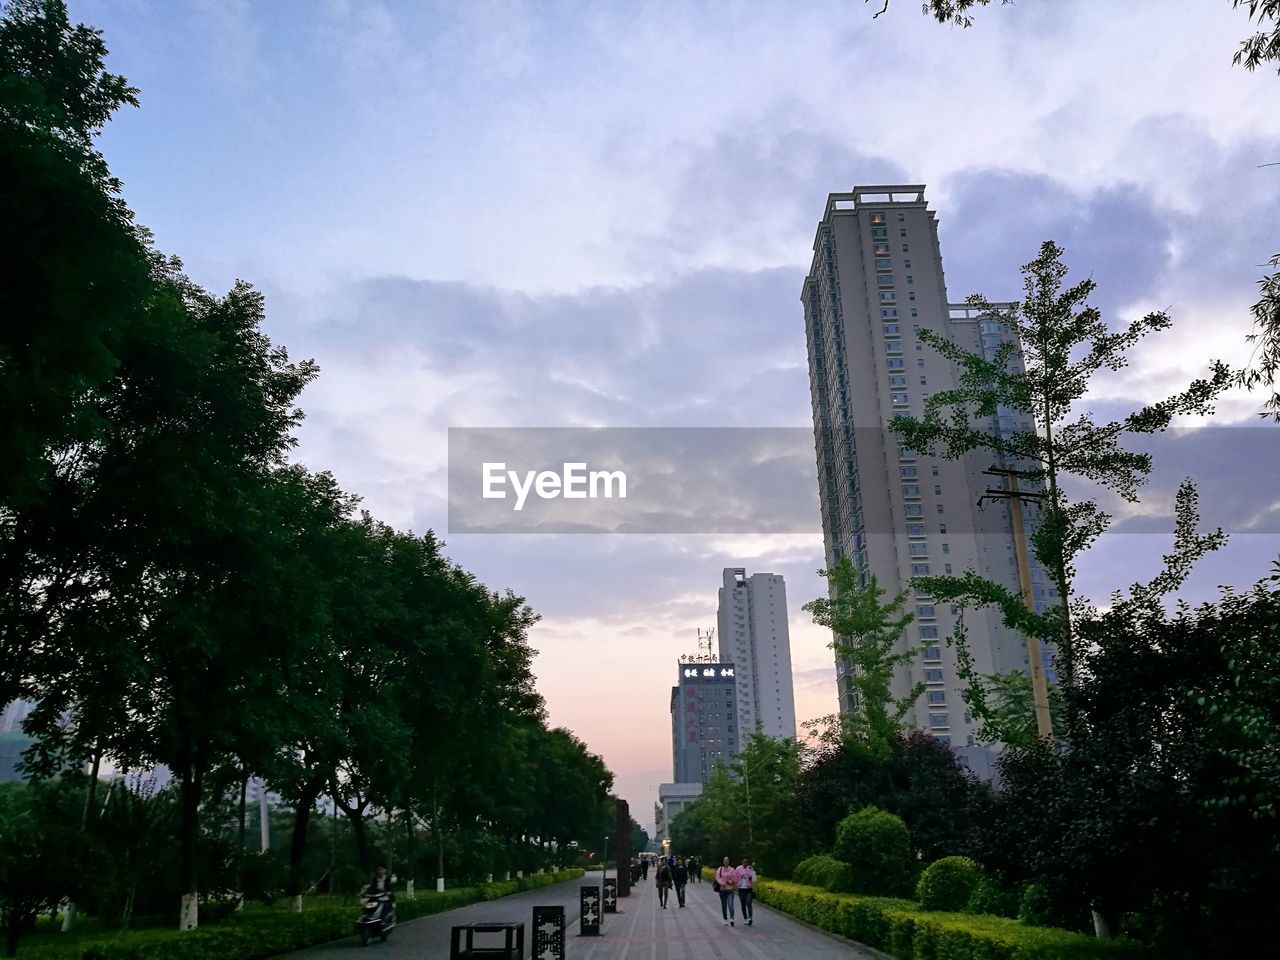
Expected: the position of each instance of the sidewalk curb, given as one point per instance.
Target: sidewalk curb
(869, 951)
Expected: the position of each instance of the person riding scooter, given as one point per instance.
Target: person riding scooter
(378, 915)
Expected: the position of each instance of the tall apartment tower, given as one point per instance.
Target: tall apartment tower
(704, 721)
(876, 281)
(751, 623)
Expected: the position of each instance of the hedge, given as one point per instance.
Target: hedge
(261, 932)
(905, 930)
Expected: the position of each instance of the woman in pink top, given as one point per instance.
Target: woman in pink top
(726, 883)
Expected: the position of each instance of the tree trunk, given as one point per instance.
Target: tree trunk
(244, 798)
(409, 866)
(298, 842)
(192, 778)
(361, 834)
(11, 939)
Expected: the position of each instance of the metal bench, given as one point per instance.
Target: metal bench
(462, 944)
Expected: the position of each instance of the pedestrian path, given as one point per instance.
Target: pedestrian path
(644, 931)
(641, 931)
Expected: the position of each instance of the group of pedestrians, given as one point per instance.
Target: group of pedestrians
(677, 872)
(740, 879)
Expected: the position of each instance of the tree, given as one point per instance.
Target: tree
(1064, 344)
(1163, 813)
(35, 860)
(869, 635)
(73, 283)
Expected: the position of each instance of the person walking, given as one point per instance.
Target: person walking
(746, 889)
(695, 870)
(726, 882)
(680, 877)
(663, 879)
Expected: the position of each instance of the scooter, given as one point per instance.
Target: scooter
(377, 917)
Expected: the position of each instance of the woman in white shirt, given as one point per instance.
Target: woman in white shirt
(746, 889)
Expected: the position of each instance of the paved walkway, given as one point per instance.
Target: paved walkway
(643, 931)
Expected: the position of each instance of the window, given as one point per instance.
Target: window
(919, 569)
(890, 329)
(924, 609)
(889, 313)
(914, 312)
(904, 248)
(915, 510)
(940, 510)
(946, 548)
(943, 739)
(942, 528)
(915, 529)
(929, 632)
(877, 219)
(938, 720)
(884, 280)
(937, 489)
(918, 549)
(937, 698)
(879, 233)
(902, 217)
(896, 363)
(882, 250)
(909, 280)
(899, 399)
(902, 233)
(893, 346)
(947, 567)
(884, 264)
(911, 490)
(919, 361)
(933, 676)
(904, 453)
(897, 382)
(911, 295)
(935, 469)
(908, 473)
(888, 296)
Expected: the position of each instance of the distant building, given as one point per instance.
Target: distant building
(751, 624)
(673, 799)
(704, 720)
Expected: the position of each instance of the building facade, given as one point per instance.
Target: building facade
(704, 720)
(875, 283)
(751, 624)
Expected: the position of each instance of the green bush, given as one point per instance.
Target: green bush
(948, 884)
(878, 846)
(258, 932)
(905, 930)
(993, 897)
(826, 872)
(1034, 906)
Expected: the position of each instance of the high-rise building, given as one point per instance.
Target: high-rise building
(704, 720)
(751, 624)
(875, 283)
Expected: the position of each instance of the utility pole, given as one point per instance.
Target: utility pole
(1039, 684)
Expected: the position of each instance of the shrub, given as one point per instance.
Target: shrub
(993, 897)
(903, 929)
(948, 884)
(826, 872)
(878, 846)
(1034, 906)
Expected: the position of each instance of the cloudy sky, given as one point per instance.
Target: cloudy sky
(552, 214)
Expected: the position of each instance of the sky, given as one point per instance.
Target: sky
(568, 214)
